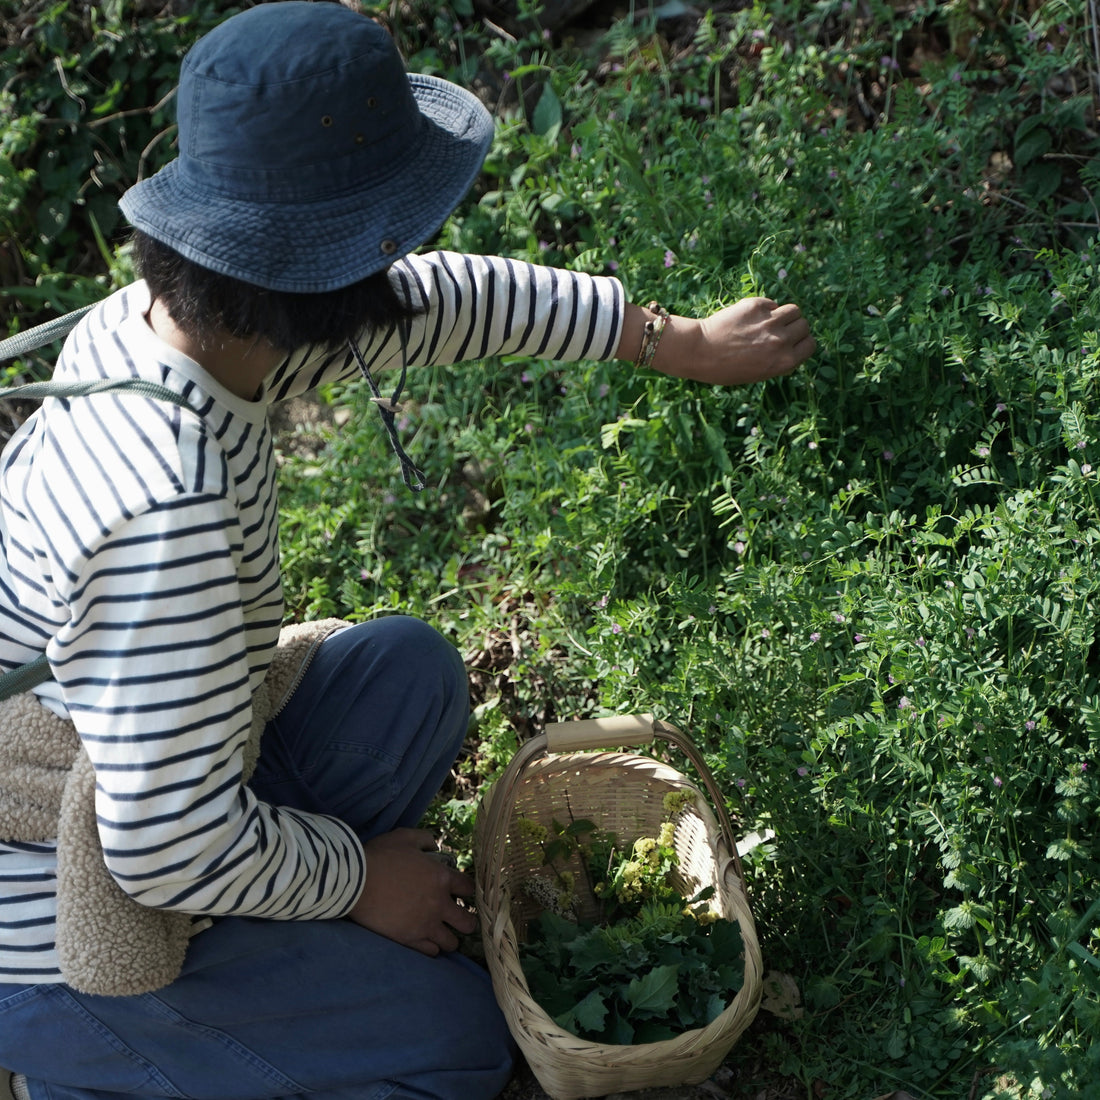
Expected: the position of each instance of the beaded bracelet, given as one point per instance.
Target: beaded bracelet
(651, 335)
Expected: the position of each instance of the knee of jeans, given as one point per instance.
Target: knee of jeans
(415, 645)
(410, 652)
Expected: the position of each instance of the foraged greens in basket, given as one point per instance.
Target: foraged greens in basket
(653, 964)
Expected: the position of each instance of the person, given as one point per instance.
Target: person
(276, 252)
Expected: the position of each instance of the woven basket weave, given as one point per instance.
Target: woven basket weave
(551, 778)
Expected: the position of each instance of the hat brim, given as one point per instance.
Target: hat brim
(330, 243)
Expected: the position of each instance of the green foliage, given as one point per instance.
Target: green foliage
(867, 589)
(637, 981)
(653, 963)
(87, 110)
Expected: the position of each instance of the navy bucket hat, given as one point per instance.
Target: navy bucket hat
(308, 157)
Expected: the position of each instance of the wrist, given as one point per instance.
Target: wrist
(679, 352)
(654, 328)
(656, 340)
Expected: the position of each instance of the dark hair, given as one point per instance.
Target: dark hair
(200, 300)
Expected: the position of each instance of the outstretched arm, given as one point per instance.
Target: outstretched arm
(749, 341)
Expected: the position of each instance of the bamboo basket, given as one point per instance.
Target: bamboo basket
(558, 777)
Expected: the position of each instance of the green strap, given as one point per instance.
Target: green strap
(37, 671)
(36, 337)
(24, 677)
(103, 385)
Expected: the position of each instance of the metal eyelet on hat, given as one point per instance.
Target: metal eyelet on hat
(326, 120)
(359, 139)
(389, 247)
(372, 102)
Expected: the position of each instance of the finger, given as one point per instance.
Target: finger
(424, 839)
(788, 314)
(805, 348)
(446, 940)
(795, 355)
(797, 331)
(461, 884)
(425, 947)
(463, 920)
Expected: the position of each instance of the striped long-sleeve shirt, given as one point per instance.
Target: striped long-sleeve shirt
(140, 550)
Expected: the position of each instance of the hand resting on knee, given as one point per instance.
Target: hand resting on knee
(411, 897)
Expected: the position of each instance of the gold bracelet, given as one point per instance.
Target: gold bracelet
(651, 335)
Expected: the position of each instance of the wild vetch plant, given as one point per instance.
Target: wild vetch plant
(868, 589)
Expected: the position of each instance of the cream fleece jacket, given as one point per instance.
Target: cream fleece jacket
(108, 943)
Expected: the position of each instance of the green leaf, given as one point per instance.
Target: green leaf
(555, 849)
(51, 219)
(653, 993)
(1083, 955)
(725, 940)
(959, 917)
(546, 117)
(980, 966)
(591, 1013)
(620, 1031)
(730, 977)
(589, 952)
(654, 1031)
(897, 1043)
(716, 445)
(1032, 142)
(526, 70)
(609, 433)
(1042, 179)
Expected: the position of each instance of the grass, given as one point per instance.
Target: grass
(868, 590)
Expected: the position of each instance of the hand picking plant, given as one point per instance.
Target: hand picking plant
(653, 964)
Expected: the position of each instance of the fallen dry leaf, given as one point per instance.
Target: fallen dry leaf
(781, 996)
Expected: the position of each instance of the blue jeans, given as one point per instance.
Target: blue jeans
(319, 1008)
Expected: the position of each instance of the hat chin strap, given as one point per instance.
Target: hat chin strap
(411, 474)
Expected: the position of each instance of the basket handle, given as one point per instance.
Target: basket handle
(599, 733)
(635, 730)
